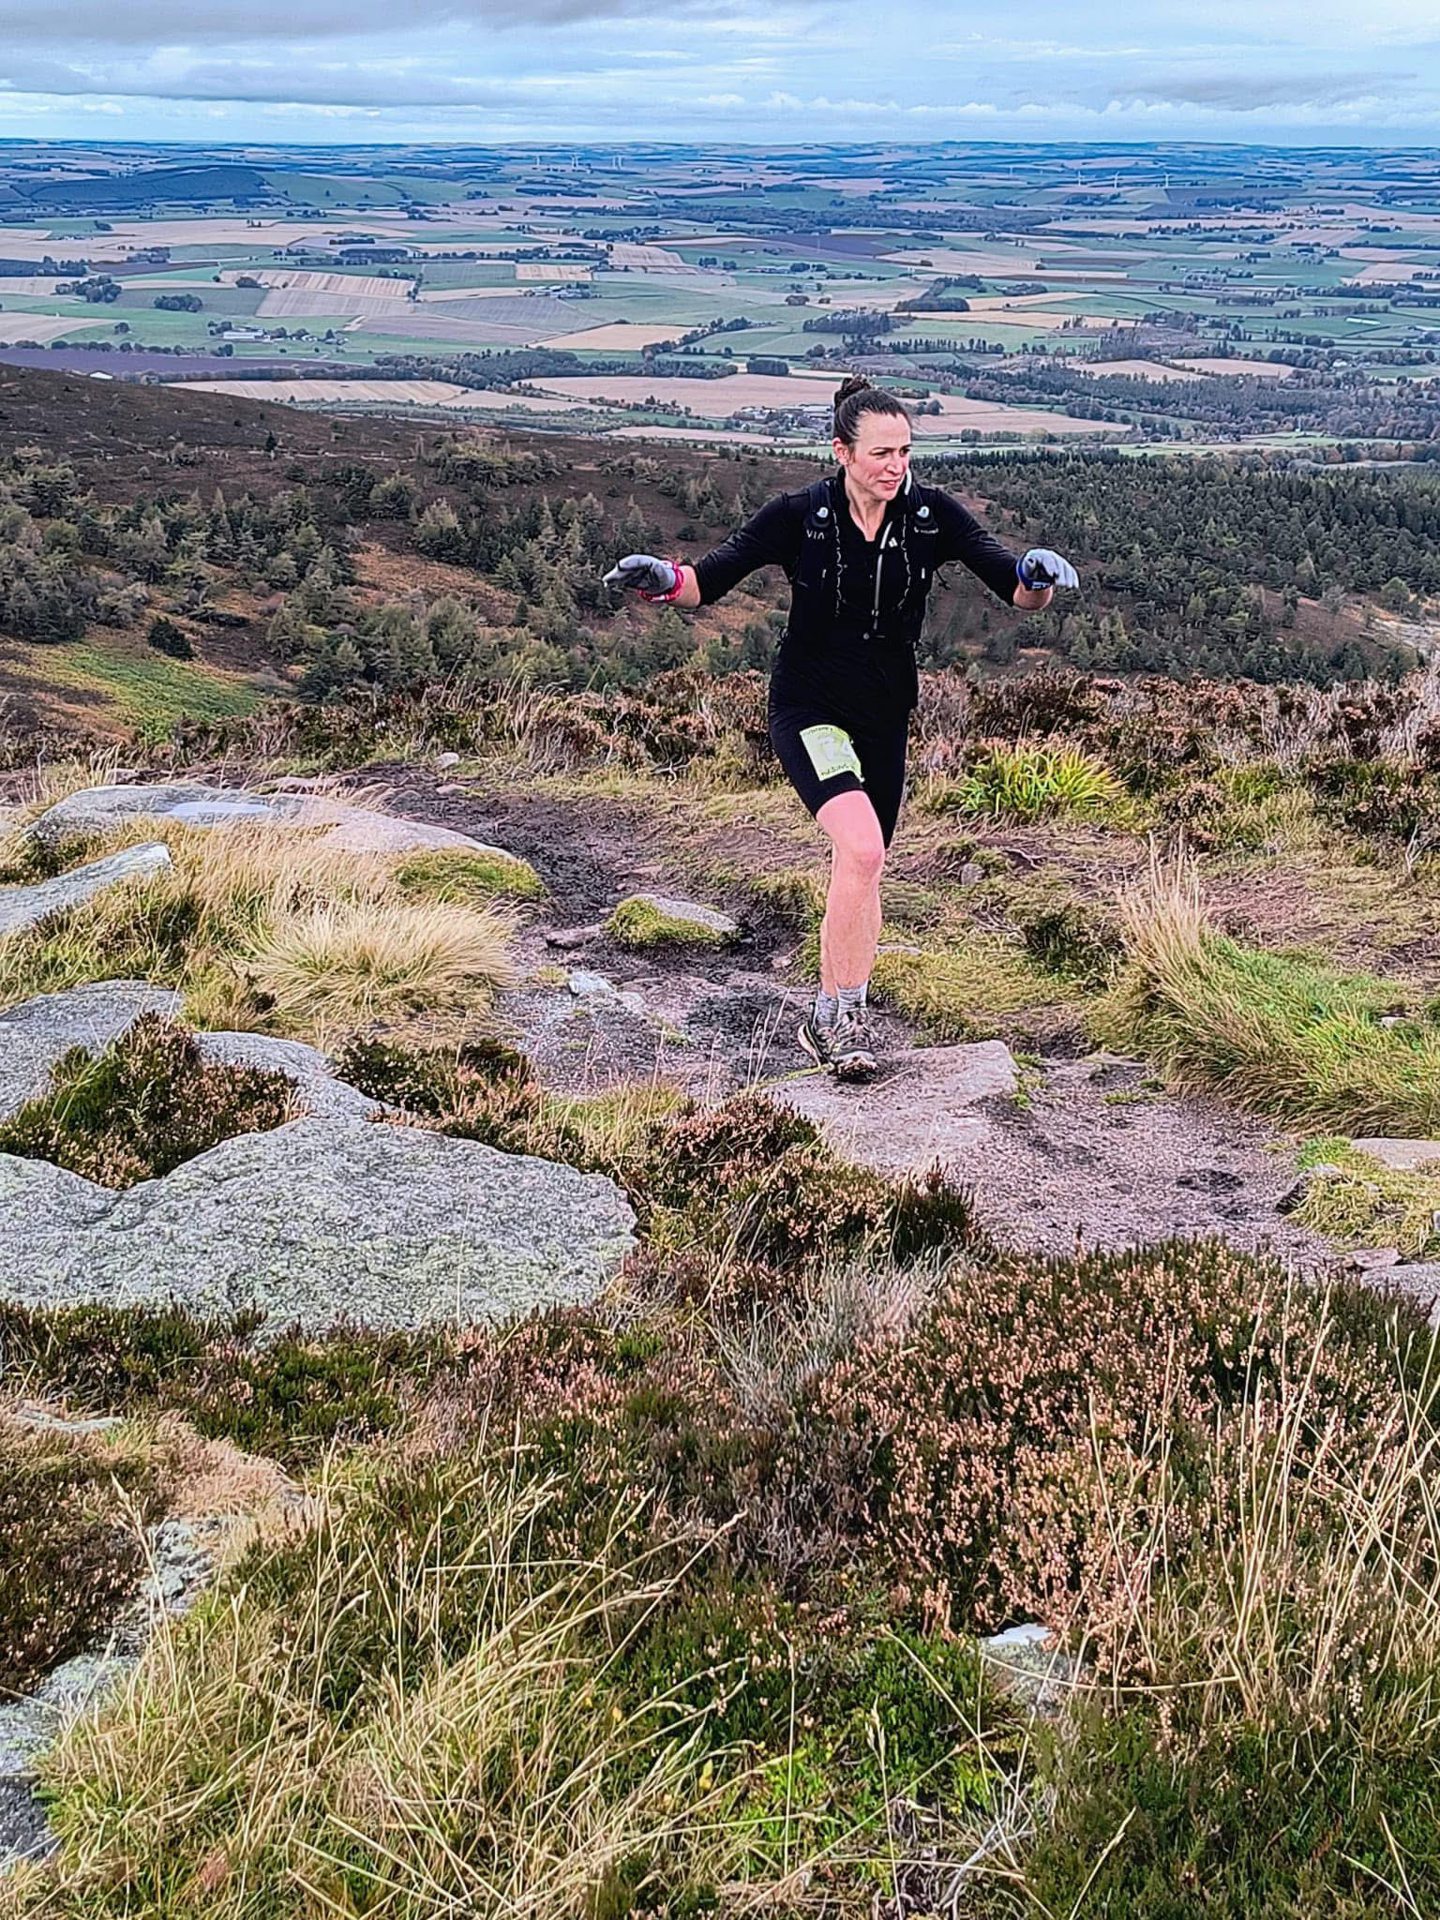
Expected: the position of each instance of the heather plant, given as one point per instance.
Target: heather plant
(999, 1428)
(146, 1104)
(287, 1395)
(70, 1551)
(757, 1180)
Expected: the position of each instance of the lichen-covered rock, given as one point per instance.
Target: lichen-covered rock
(95, 810)
(317, 1223)
(657, 919)
(22, 907)
(38, 1033)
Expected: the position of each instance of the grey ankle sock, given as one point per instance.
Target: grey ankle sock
(851, 999)
(827, 1009)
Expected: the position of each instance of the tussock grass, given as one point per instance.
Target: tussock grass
(335, 966)
(1277, 1034)
(266, 927)
(415, 1725)
(967, 989)
(1027, 782)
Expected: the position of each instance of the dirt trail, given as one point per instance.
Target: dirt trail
(1086, 1152)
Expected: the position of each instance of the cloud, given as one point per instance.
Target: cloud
(182, 23)
(1256, 93)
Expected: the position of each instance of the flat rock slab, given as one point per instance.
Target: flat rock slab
(348, 828)
(34, 1035)
(316, 1223)
(1401, 1156)
(927, 1105)
(22, 907)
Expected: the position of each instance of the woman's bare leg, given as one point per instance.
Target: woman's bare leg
(850, 931)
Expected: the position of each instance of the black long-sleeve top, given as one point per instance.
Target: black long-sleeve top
(857, 605)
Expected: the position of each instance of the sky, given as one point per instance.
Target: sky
(770, 72)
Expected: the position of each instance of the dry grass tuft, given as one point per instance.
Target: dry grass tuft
(335, 966)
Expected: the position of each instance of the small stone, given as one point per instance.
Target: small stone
(657, 919)
(1294, 1197)
(451, 786)
(443, 760)
(583, 984)
(971, 874)
(1369, 1259)
(573, 936)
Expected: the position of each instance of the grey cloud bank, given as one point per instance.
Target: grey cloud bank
(570, 69)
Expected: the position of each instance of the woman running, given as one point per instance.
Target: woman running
(861, 549)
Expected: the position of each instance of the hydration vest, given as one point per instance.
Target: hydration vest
(889, 596)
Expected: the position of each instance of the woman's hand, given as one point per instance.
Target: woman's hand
(655, 579)
(1041, 567)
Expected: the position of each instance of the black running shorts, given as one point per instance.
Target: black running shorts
(823, 757)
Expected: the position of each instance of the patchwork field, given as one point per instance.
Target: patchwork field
(381, 393)
(978, 281)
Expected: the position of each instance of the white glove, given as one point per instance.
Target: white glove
(1041, 567)
(655, 579)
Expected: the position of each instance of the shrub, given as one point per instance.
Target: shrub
(755, 1178)
(1002, 1436)
(142, 1107)
(68, 1559)
(1389, 799)
(168, 638)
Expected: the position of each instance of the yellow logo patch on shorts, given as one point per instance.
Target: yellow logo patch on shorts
(831, 751)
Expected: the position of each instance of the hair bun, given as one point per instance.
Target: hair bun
(853, 383)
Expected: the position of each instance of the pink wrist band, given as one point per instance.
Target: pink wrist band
(666, 599)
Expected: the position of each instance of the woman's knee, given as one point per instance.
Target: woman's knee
(855, 835)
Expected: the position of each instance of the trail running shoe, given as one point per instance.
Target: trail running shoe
(847, 1049)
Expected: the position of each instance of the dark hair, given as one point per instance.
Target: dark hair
(856, 396)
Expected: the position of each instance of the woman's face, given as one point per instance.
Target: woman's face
(879, 460)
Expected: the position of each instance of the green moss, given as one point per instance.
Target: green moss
(966, 990)
(638, 922)
(1362, 1202)
(457, 875)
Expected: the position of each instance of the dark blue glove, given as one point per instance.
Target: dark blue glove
(642, 571)
(1041, 567)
